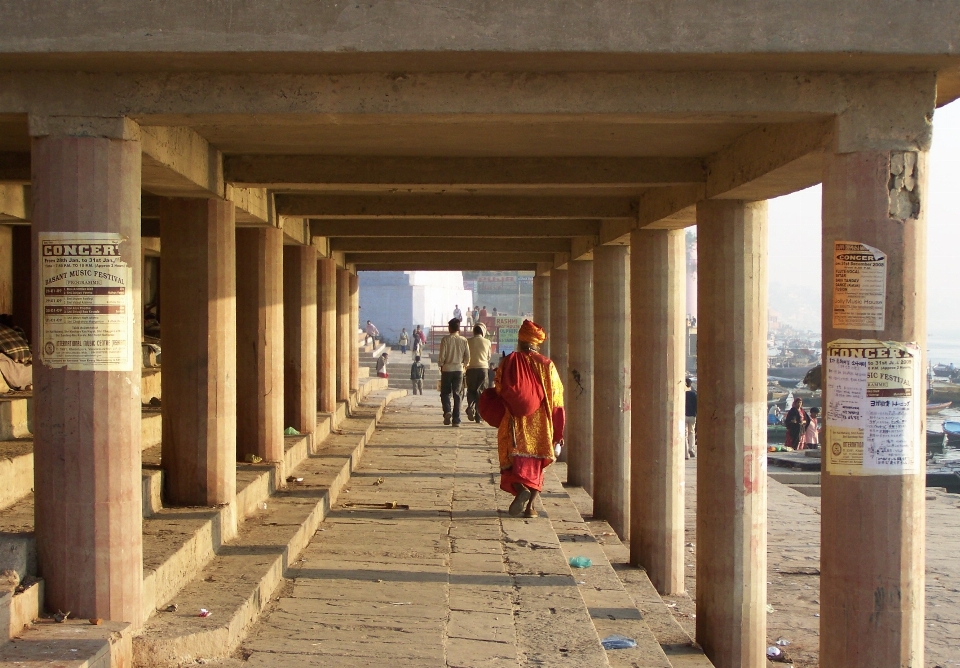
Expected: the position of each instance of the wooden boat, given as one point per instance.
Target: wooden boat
(952, 430)
(936, 408)
(935, 440)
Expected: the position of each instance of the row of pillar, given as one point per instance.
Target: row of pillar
(257, 336)
(621, 335)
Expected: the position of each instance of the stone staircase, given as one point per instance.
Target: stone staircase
(244, 546)
(398, 367)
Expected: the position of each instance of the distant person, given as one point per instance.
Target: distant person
(457, 314)
(477, 369)
(796, 424)
(690, 418)
(811, 435)
(494, 311)
(454, 356)
(372, 331)
(483, 312)
(526, 444)
(416, 375)
(404, 341)
(417, 346)
(476, 315)
(382, 366)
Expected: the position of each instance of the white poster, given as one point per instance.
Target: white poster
(859, 286)
(874, 408)
(87, 316)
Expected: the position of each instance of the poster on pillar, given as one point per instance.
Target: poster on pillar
(875, 408)
(87, 313)
(859, 286)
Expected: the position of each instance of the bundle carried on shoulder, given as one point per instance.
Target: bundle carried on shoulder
(520, 391)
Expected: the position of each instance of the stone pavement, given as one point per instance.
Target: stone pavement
(419, 565)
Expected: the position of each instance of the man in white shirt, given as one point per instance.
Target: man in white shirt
(457, 314)
(477, 369)
(454, 356)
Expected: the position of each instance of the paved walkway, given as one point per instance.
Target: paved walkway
(444, 578)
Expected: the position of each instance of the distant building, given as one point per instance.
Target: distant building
(397, 299)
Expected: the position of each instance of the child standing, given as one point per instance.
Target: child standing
(416, 375)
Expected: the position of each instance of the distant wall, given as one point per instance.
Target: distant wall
(397, 299)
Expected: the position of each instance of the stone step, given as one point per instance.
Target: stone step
(612, 609)
(179, 542)
(679, 648)
(19, 608)
(72, 644)
(241, 579)
(796, 477)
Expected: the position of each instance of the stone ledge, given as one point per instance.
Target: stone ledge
(73, 644)
(238, 582)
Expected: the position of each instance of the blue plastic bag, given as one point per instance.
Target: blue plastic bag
(580, 562)
(617, 641)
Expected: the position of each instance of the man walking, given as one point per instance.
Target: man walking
(691, 420)
(457, 314)
(477, 369)
(454, 356)
(372, 332)
(416, 376)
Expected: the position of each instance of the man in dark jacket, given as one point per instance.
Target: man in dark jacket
(691, 420)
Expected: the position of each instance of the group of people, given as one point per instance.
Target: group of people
(475, 315)
(459, 357)
(802, 427)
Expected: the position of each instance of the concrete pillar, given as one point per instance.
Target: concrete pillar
(578, 382)
(199, 331)
(557, 328)
(732, 432)
(611, 398)
(260, 343)
(558, 321)
(541, 308)
(343, 335)
(872, 541)
(354, 325)
(658, 353)
(300, 338)
(327, 335)
(87, 422)
(6, 269)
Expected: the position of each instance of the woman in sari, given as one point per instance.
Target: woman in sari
(796, 423)
(526, 443)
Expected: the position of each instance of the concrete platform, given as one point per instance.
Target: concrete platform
(73, 644)
(419, 564)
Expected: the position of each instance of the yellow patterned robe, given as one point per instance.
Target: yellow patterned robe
(535, 432)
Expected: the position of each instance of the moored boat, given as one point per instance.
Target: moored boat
(952, 430)
(936, 408)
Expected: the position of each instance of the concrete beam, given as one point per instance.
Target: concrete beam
(391, 246)
(459, 228)
(16, 204)
(15, 167)
(300, 99)
(771, 161)
(178, 162)
(454, 206)
(339, 172)
(450, 257)
(296, 231)
(465, 265)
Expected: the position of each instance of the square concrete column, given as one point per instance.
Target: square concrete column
(327, 335)
(558, 321)
(199, 330)
(354, 328)
(87, 421)
(300, 338)
(260, 343)
(22, 279)
(732, 432)
(658, 312)
(541, 308)
(343, 335)
(611, 396)
(578, 383)
(872, 538)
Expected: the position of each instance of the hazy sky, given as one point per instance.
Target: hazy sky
(795, 233)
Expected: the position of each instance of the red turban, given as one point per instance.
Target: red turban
(531, 332)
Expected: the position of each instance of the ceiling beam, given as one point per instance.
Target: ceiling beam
(391, 245)
(340, 172)
(457, 228)
(452, 257)
(453, 206)
(464, 265)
